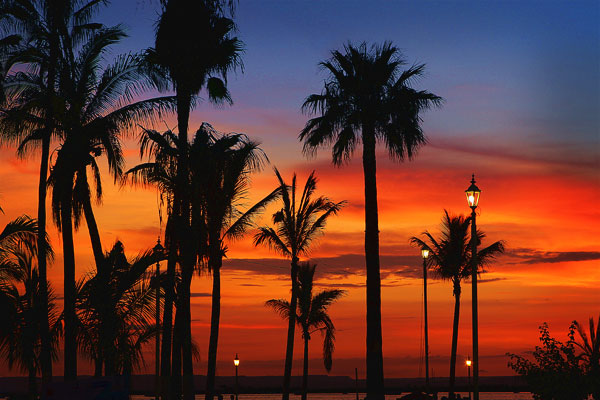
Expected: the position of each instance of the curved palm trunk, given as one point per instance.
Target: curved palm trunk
(454, 338)
(214, 330)
(94, 233)
(46, 345)
(289, 352)
(70, 370)
(305, 368)
(375, 387)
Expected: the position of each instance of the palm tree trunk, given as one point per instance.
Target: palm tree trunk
(94, 233)
(289, 352)
(214, 330)
(305, 368)
(176, 352)
(32, 381)
(70, 370)
(375, 387)
(186, 335)
(46, 345)
(167, 326)
(454, 338)
(98, 367)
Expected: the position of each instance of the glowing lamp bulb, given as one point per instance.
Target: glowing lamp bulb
(471, 200)
(425, 253)
(469, 362)
(236, 361)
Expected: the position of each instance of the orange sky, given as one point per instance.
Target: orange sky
(520, 85)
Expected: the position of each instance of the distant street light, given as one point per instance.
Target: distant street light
(158, 249)
(425, 254)
(236, 362)
(469, 374)
(473, 194)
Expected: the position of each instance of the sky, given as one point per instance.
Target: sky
(521, 84)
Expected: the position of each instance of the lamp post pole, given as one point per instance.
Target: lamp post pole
(473, 193)
(469, 375)
(425, 254)
(158, 248)
(236, 362)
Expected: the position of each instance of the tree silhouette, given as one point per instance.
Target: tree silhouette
(590, 353)
(450, 257)
(297, 224)
(368, 98)
(39, 33)
(311, 316)
(194, 49)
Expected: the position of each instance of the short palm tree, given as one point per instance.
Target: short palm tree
(297, 224)
(450, 257)
(116, 311)
(367, 98)
(590, 353)
(311, 316)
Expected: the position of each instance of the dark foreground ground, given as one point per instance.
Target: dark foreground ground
(144, 384)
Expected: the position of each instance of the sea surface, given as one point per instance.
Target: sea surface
(352, 396)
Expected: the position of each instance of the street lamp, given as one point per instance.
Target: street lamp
(158, 249)
(473, 194)
(425, 254)
(236, 362)
(468, 362)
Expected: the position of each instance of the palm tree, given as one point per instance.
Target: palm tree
(195, 48)
(450, 256)
(20, 333)
(116, 311)
(297, 224)
(590, 353)
(311, 316)
(368, 98)
(97, 108)
(43, 29)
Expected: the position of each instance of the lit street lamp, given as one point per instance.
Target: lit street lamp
(425, 254)
(158, 249)
(473, 194)
(468, 362)
(236, 362)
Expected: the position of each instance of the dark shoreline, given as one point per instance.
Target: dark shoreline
(144, 384)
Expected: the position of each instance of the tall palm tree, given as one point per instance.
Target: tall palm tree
(97, 108)
(450, 256)
(195, 48)
(116, 311)
(43, 29)
(297, 224)
(368, 98)
(590, 353)
(311, 316)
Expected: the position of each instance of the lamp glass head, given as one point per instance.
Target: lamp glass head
(469, 362)
(236, 361)
(425, 253)
(473, 193)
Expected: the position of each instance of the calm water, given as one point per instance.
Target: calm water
(352, 396)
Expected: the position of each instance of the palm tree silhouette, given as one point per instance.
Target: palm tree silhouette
(590, 353)
(194, 49)
(297, 224)
(450, 257)
(20, 333)
(38, 33)
(368, 98)
(311, 316)
(97, 108)
(116, 309)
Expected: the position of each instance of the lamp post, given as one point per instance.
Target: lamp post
(236, 362)
(473, 194)
(425, 254)
(157, 250)
(469, 374)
